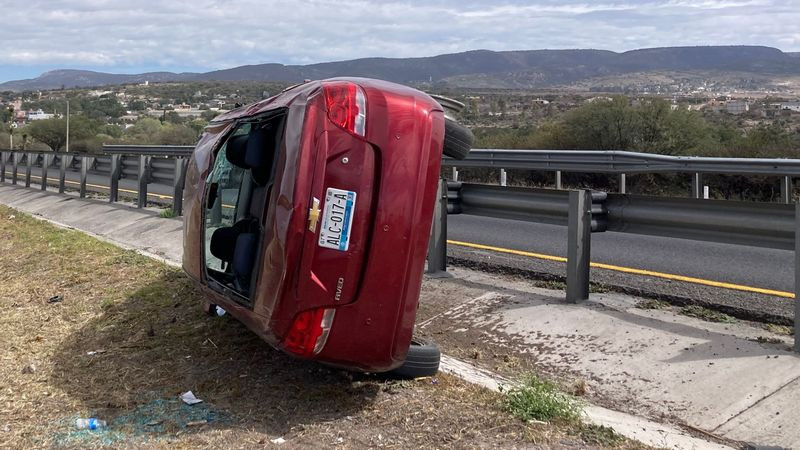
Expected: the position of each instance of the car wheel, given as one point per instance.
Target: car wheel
(422, 361)
(457, 140)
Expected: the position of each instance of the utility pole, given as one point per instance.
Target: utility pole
(67, 126)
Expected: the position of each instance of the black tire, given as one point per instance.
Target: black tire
(458, 140)
(422, 361)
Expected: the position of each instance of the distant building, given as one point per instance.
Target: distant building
(791, 106)
(737, 107)
(38, 115)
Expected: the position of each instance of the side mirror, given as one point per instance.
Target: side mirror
(213, 190)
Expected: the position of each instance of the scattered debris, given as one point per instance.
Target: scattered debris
(219, 311)
(278, 441)
(189, 398)
(55, 299)
(95, 352)
(11, 217)
(767, 340)
(30, 368)
(6, 428)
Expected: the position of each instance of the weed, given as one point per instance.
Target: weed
(706, 314)
(782, 330)
(538, 399)
(167, 213)
(600, 435)
(652, 304)
(130, 258)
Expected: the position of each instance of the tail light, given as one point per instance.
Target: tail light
(347, 106)
(309, 331)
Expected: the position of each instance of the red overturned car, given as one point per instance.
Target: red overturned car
(308, 214)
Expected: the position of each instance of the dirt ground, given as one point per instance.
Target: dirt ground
(127, 336)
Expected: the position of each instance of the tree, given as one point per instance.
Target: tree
(53, 132)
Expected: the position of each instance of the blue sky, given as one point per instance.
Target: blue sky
(127, 36)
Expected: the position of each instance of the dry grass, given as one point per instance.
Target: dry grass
(153, 342)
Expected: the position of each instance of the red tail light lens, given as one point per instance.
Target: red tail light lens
(347, 106)
(309, 331)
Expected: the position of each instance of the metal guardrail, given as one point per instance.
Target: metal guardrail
(622, 163)
(145, 164)
(149, 150)
(771, 225)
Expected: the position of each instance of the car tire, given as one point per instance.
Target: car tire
(458, 140)
(422, 361)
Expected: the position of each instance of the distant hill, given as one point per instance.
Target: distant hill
(477, 68)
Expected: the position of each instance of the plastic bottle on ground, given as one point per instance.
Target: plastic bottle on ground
(90, 424)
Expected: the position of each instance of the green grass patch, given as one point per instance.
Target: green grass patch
(167, 213)
(538, 399)
(709, 315)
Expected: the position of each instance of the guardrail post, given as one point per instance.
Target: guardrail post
(455, 173)
(797, 277)
(45, 163)
(14, 168)
(177, 186)
(622, 184)
(579, 245)
(141, 201)
(2, 167)
(28, 164)
(697, 185)
(786, 190)
(84, 170)
(113, 184)
(503, 178)
(62, 173)
(558, 179)
(437, 245)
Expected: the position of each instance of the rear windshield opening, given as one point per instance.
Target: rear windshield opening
(237, 193)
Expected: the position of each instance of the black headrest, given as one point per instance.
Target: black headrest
(223, 243)
(244, 258)
(258, 146)
(236, 151)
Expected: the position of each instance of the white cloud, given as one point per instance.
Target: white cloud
(209, 34)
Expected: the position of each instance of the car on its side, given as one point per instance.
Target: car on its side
(308, 214)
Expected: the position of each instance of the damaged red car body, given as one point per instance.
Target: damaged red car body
(307, 217)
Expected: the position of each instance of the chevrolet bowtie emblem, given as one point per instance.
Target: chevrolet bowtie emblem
(313, 215)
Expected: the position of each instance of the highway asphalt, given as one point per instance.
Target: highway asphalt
(741, 265)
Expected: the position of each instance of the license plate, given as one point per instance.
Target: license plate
(337, 219)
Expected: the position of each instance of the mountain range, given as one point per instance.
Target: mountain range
(477, 68)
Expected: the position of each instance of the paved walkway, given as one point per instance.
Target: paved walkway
(652, 363)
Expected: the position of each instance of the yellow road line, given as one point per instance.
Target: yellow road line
(650, 273)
